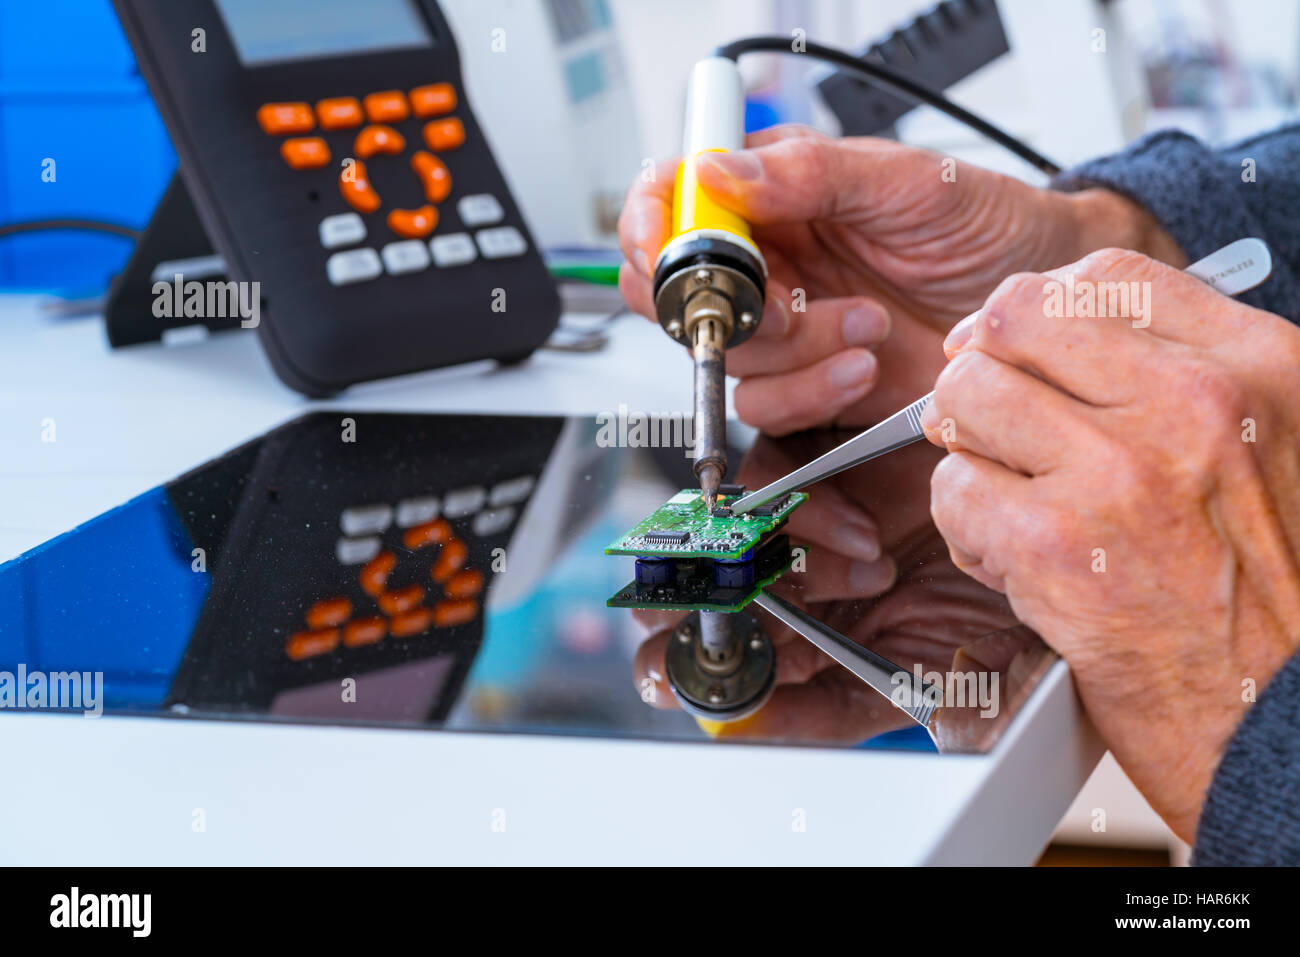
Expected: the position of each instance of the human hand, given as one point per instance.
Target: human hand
(889, 244)
(1135, 491)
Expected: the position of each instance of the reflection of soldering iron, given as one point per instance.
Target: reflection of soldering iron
(709, 277)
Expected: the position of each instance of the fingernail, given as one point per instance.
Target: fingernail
(776, 317)
(871, 578)
(852, 370)
(930, 417)
(865, 325)
(641, 263)
(857, 541)
(959, 335)
(743, 165)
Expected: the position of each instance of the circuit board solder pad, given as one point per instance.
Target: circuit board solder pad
(683, 528)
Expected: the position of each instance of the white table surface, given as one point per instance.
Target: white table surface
(125, 790)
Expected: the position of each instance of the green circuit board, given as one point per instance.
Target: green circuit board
(683, 528)
(692, 586)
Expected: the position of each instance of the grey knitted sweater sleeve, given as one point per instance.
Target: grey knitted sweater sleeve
(1205, 199)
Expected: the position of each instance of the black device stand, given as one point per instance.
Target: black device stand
(176, 241)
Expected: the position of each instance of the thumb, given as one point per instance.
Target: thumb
(800, 179)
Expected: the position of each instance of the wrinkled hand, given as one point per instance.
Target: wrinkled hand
(888, 244)
(1136, 493)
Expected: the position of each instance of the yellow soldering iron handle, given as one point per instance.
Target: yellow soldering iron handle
(715, 123)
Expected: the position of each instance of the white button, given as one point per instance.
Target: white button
(454, 249)
(481, 209)
(355, 265)
(511, 491)
(354, 551)
(366, 519)
(491, 522)
(416, 511)
(407, 256)
(462, 501)
(500, 242)
(341, 230)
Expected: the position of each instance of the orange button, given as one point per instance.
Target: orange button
(339, 113)
(309, 644)
(413, 223)
(433, 174)
(375, 575)
(433, 100)
(360, 195)
(305, 152)
(387, 107)
(411, 623)
(365, 631)
(465, 584)
(378, 139)
(404, 599)
(453, 555)
(327, 613)
(454, 612)
(286, 118)
(443, 135)
(430, 533)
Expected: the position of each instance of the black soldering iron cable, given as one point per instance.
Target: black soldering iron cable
(895, 82)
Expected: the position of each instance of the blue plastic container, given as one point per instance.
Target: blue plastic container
(70, 92)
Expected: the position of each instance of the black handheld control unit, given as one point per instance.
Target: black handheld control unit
(333, 160)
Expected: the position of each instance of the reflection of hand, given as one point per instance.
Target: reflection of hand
(890, 247)
(931, 610)
(1134, 492)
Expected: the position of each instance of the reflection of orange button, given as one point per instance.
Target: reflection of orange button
(404, 599)
(378, 139)
(433, 174)
(455, 611)
(375, 575)
(445, 134)
(360, 195)
(339, 113)
(411, 622)
(365, 631)
(286, 118)
(305, 152)
(434, 99)
(387, 107)
(465, 584)
(331, 611)
(430, 533)
(308, 644)
(413, 223)
(450, 559)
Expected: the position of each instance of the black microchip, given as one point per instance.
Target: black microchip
(731, 491)
(772, 507)
(663, 537)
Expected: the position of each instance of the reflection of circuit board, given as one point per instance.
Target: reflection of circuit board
(683, 528)
(694, 583)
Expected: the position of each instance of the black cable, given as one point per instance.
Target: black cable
(93, 225)
(896, 83)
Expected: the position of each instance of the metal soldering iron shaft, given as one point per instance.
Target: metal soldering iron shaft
(708, 318)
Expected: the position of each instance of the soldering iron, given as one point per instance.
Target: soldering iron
(709, 278)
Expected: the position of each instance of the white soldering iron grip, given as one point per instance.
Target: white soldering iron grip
(715, 107)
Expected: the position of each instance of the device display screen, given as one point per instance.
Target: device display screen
(309, 29)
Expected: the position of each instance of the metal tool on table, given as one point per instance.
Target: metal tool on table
(709, 277)
(1232, 270)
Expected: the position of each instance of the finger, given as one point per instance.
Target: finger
(980, 508)
(986, 406)
(636, 292)
(1026, 323)
(786, 402)
(646, 220)
(826, 327)
(834, 577)
(834, 706)
(799, 179)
